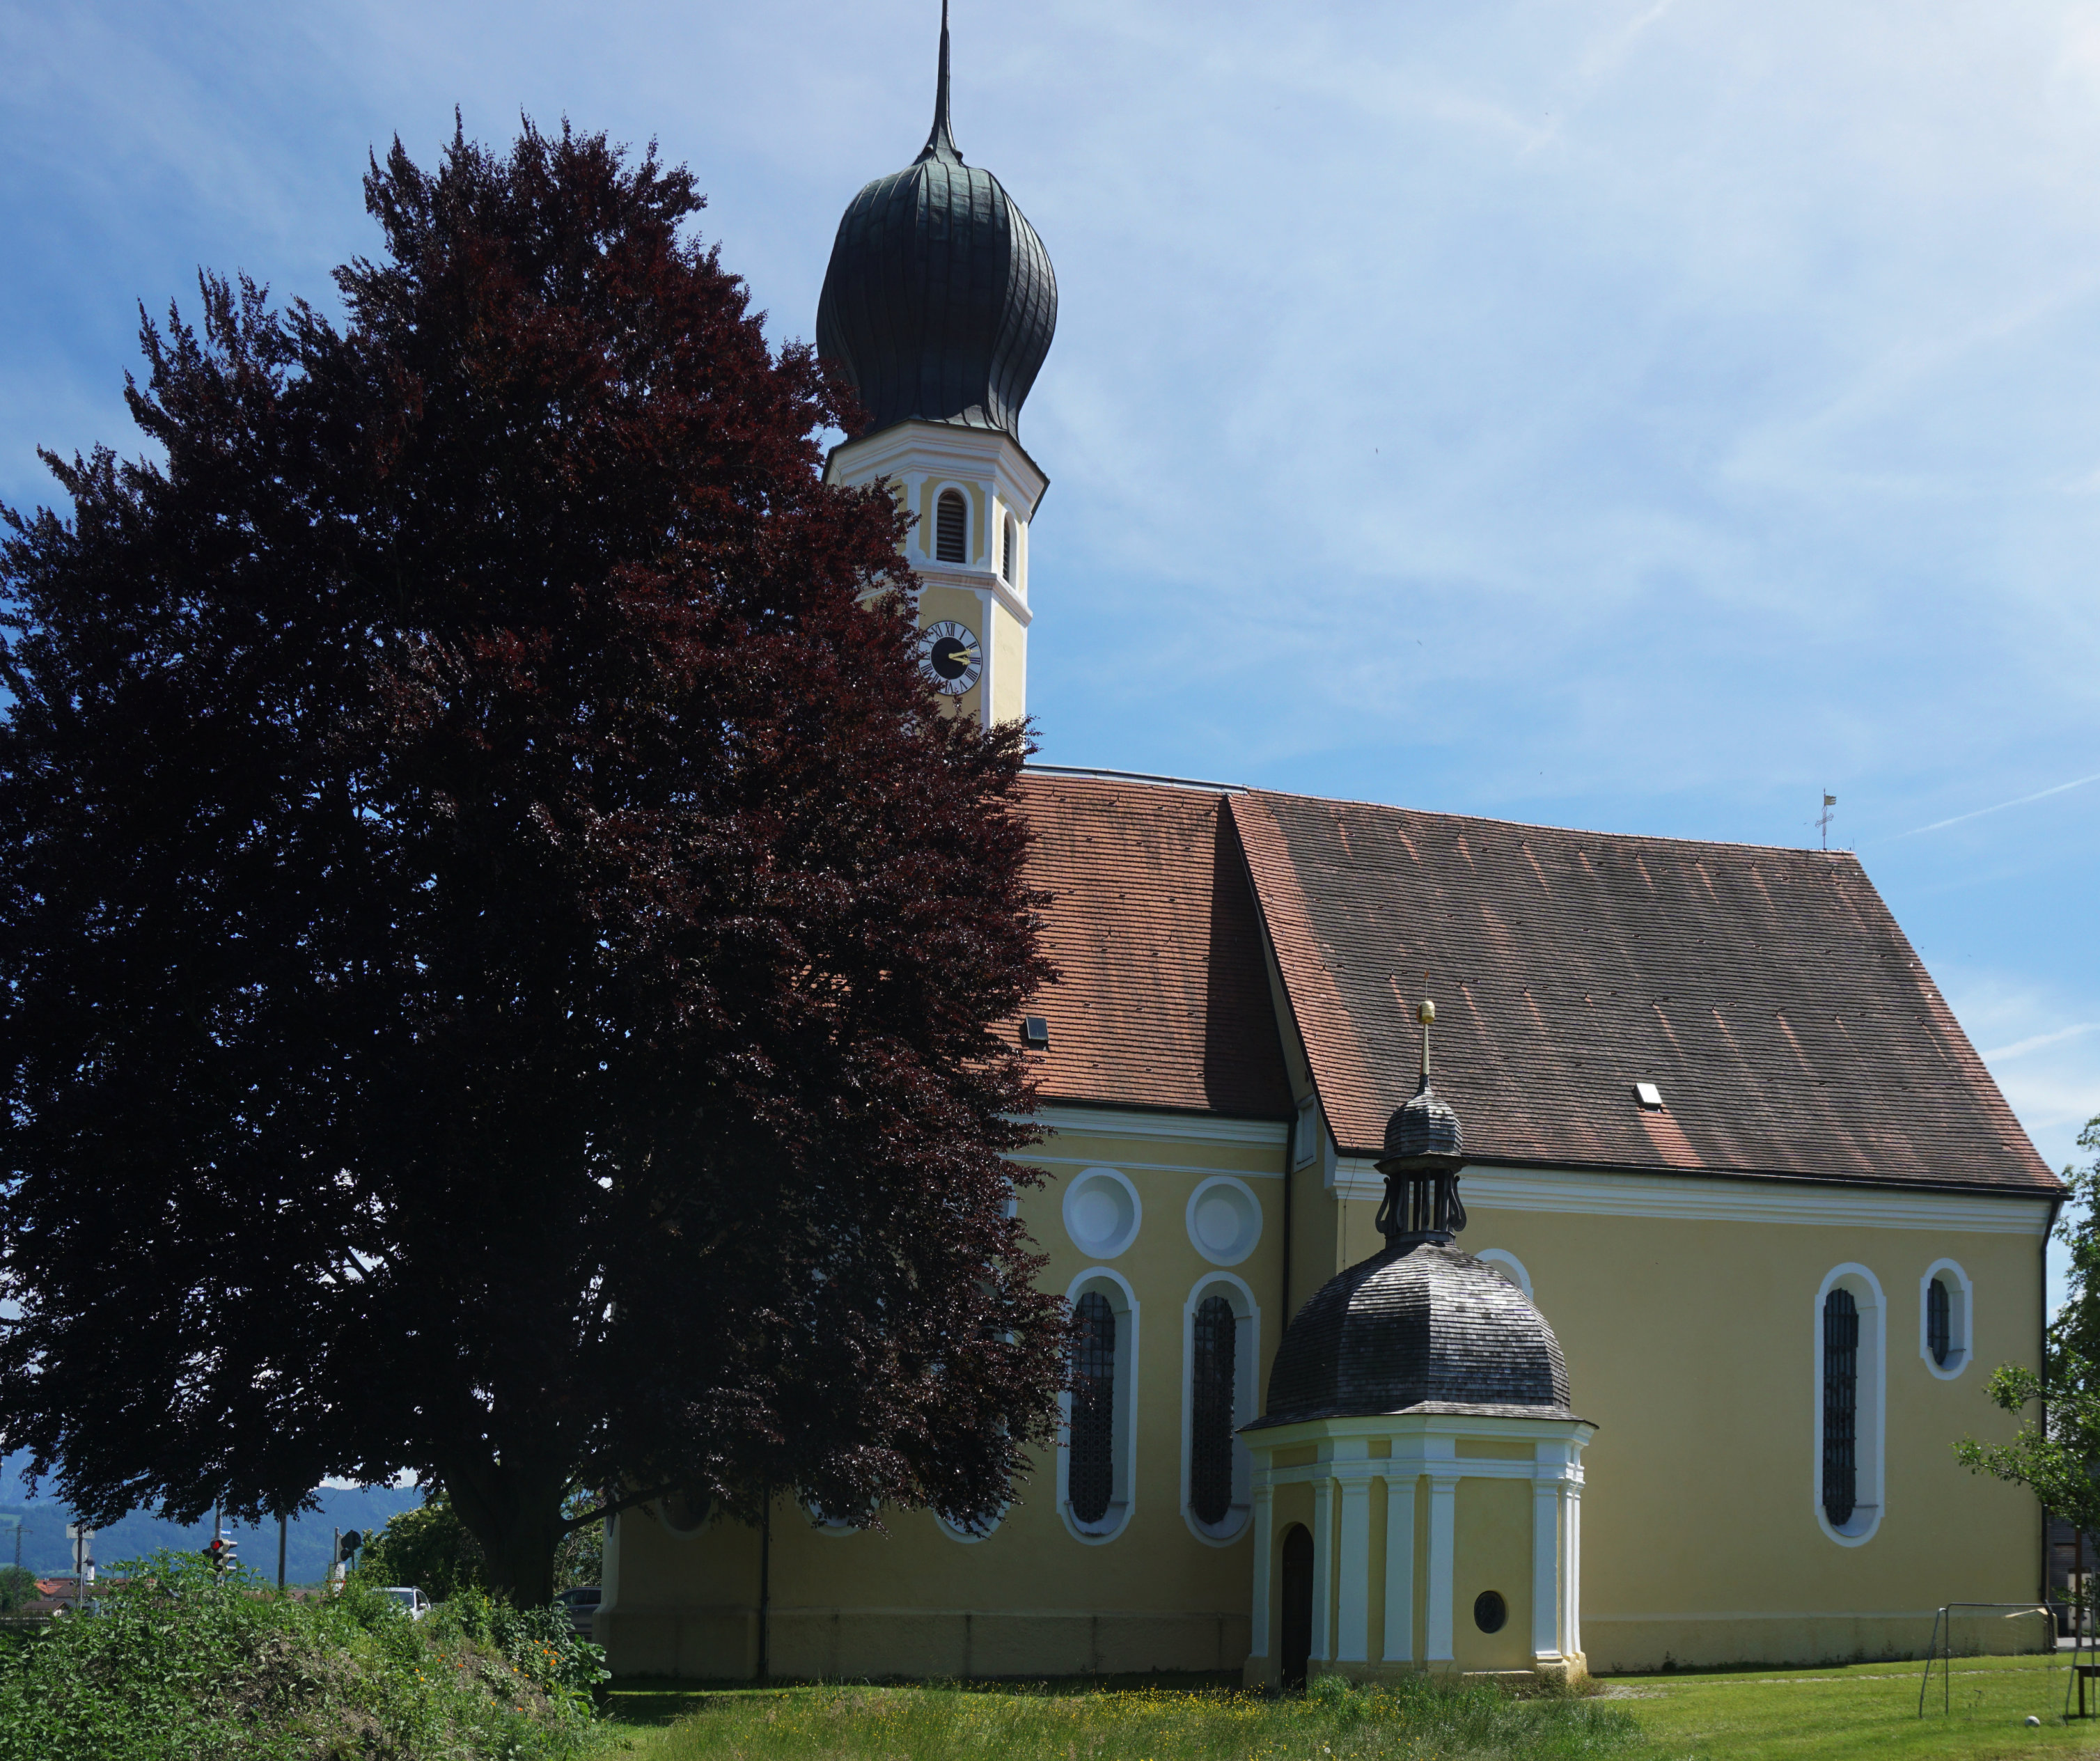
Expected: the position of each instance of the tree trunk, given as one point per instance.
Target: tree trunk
(515, 1513)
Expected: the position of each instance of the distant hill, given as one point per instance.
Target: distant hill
(40, 1524)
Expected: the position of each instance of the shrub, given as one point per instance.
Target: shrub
(428, 1547)
(177, 1662)
(18, 1586)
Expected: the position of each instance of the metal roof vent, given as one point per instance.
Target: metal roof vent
(1035, 1034)
(1649, 1096)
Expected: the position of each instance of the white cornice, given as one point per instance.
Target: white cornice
(1033, 1159)
(978, 580)
(1719, 1199)
(915, 446)
(1187, 1127)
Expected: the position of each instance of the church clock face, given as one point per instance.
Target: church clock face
(953, 655)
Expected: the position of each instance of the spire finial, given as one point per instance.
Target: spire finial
(1426, 1015)
(941, 143)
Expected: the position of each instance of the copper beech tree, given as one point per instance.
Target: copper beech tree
(503, 962)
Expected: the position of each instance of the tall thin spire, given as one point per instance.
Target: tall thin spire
(941, 143)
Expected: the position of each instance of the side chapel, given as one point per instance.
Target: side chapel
(1638, 1328)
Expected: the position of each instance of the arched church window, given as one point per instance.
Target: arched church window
(1851, 1402)
(1010, 543)
(1220, 1351)
(1840, 1405)
(952, 528)
(1214, 1383)
(1946, 1297)
(1092, 1481)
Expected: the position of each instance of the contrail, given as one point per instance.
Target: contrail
(1978, 813)
(2035, 1043)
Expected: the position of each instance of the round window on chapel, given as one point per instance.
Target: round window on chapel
(1490, 1613)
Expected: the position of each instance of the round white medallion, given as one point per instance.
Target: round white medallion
(1224, 1219)
(1102, 1213)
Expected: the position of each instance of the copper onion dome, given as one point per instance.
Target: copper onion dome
(939, 302)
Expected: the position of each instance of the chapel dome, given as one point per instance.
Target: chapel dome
(1423, 1327)
(939, 302)
(1425, 1128)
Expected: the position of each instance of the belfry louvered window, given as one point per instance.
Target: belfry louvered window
(1939, 1321)
(1840, 1405)
(1091, 1476)
(1005, 549)
(952, 528)
(1212, 1380)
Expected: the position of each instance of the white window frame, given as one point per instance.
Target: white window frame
(1509, 1262)
(1870, 1416)
(1096, 1247)
(1122, 1454)
(1960, 1318)
(1247, 1361)
(1249, 1207)
(964, 1535)
(942, 486)
(824, 1522)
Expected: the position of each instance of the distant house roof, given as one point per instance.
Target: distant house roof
(1164, 1000)
(1767, 993)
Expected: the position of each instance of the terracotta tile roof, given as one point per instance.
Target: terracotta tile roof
(1767, 992)
(1163, 1000)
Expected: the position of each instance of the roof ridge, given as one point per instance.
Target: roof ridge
(1532, 825)
(1092, 773)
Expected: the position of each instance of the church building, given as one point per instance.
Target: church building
(1622, 1306)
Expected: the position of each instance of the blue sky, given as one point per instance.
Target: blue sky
(1641, 415)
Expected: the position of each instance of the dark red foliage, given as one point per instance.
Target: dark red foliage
(501, 952)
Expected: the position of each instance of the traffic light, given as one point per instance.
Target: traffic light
(351, 1542)
(219, 1554)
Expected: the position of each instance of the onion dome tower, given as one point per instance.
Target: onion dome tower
(1426, 1370)
(938, 306)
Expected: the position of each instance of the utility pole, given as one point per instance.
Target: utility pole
(83, 1561)
(280, 1552)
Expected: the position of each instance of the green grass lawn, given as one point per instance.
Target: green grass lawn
(1864, 1710)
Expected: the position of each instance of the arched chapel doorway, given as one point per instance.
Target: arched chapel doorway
(1297, 1612)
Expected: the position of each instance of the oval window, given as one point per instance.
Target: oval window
(1490, 1613)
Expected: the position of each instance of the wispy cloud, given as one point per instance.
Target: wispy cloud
(2036, 1042)
(2018, 801)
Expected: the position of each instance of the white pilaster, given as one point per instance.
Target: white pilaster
(1546, 1598)
(1264, 1524)
(1400, 1570)
(1443, 1564)
(1571, 1622)
(988, 623)
(1352, 1566)
(1323, 1569)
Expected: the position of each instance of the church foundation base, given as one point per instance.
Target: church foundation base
(1639, 1647)
(1568, 1672)
(833, 1645)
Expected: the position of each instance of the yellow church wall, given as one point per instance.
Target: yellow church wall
(1691, 1345)
(1492, 1552)
(1009, 668)
(938, 604)
(1031, 1597)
